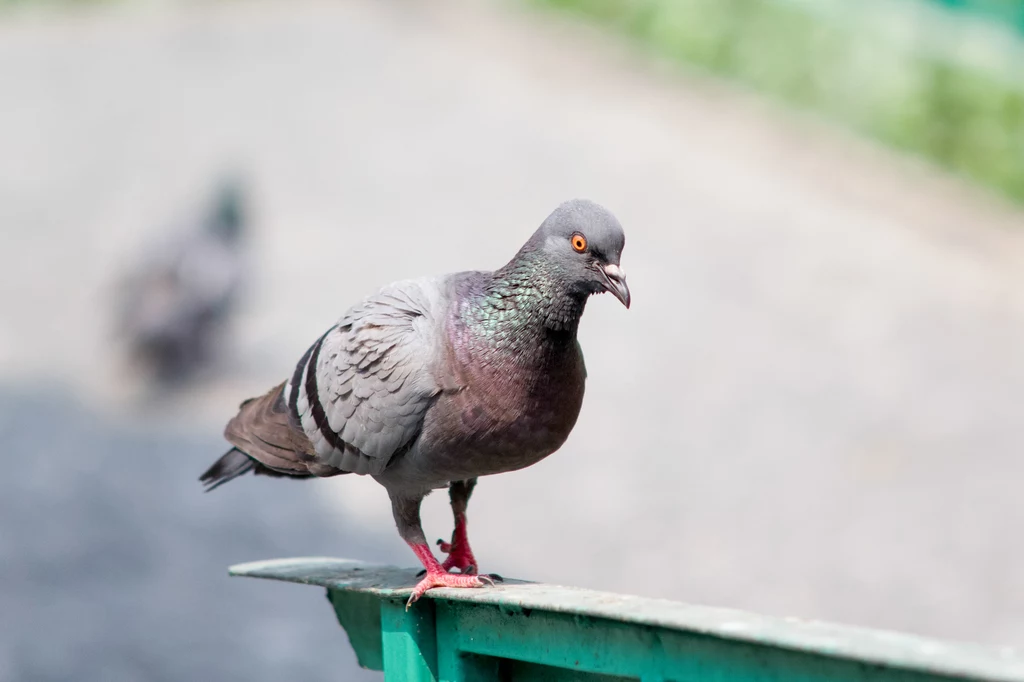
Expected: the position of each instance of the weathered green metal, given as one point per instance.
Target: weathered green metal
(535, 632)
(409, 640)
(361, 617)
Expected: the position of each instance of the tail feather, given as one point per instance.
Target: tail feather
(266, 444)
(230, 466)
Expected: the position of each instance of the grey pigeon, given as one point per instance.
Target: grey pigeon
(181, 293)
(431, 383)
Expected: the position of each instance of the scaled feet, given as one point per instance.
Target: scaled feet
(438, 575)
(443, 579)
(460, 556)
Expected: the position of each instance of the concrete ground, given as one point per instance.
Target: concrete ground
(812, 409)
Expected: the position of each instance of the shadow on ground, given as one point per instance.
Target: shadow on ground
(113, 562)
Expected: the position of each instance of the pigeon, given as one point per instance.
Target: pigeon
(184, 289)
(431, 383)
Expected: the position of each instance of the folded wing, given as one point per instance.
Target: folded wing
(359, 395)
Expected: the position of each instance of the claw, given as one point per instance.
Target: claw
(438, 579)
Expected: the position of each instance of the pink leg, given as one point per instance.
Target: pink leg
(460, 555)
(438, 577)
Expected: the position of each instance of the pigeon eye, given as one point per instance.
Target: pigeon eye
(579, 242)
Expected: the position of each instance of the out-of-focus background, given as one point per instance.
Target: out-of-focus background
(814, 407)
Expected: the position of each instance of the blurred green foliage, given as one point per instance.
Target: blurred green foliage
(1009, 11)
(943, 82)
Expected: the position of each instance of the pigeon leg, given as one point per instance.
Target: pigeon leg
(460, 555)
(407, 518)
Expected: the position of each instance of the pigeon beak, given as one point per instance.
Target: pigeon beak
(615, 282)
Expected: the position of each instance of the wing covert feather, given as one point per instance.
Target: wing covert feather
(360, 394)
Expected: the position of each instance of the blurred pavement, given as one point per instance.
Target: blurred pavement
(812, 409)
(113, 568)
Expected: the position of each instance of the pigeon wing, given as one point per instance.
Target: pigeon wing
(362, 390)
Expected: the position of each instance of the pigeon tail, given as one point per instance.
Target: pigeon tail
(236, 462)
(230, 466)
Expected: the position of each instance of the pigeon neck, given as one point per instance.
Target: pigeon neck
(527, 298)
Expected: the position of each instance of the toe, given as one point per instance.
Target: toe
(432, 580)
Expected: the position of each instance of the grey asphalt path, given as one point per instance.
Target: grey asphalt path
(813, 408)
(112, 564)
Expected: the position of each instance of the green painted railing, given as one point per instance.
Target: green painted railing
(533, 632)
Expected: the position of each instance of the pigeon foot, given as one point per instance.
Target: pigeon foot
(460, 556)
(443, 579)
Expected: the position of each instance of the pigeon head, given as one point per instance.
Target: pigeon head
(584, 241)
(227, 215)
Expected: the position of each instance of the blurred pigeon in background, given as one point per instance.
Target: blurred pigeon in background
(176, 301)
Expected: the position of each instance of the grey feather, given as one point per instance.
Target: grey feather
(374, 377)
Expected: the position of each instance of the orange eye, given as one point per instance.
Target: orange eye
(579, 242)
